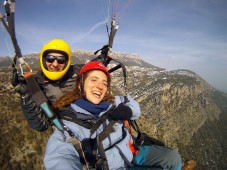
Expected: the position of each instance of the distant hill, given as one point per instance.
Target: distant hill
(5, 62)
(178, 107)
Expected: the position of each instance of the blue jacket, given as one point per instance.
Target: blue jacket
(62, 155)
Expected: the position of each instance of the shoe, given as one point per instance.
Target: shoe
(189, 165)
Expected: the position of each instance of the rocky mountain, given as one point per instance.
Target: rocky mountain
(178, 107)
(80, 56)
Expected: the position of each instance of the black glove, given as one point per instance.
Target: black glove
(19, 83)
(20, 86)
(122, 112)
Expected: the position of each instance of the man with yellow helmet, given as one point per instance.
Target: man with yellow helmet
(55, 59)
(56, 77)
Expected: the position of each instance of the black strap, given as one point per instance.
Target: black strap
(77, 144)
(107, 131)
(143, 138)
(123, 136)
(135, 126)
(37, 93)
(101, 161)
(102, 119)
(73, 118)
(124, 158)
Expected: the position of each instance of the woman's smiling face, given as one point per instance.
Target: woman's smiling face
(95, 86)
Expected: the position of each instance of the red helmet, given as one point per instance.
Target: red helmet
(94, 65)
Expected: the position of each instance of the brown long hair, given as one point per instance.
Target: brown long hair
(78, 92)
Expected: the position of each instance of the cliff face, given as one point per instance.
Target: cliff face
(185, 112)
(178, 107)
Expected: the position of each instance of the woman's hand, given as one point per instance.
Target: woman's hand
(121, 112)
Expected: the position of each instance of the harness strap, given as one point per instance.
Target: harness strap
(73, 118)
(102, 119)
(143, 138)
(41, 100)
(123, 136)
(101, 161)
(78, 146)
(37, 94)
(108, 130)
(123, 156)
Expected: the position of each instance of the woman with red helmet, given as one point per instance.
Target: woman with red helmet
(95, 119)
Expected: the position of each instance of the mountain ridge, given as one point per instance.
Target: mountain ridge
(79, 57)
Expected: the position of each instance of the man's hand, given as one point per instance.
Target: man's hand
(19, 83)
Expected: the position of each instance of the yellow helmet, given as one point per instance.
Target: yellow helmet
(60, 46)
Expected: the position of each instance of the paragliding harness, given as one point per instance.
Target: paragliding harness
(41, 100)
(91, 150)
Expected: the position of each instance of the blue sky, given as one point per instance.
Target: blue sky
(172, 34)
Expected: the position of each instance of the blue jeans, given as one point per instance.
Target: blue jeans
(157, 158)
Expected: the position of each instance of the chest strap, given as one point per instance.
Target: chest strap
(71, 116)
